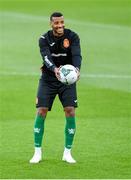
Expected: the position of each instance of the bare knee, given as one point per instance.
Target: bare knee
(42, 111)
(69, 111)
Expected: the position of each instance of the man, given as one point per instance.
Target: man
(58, 47)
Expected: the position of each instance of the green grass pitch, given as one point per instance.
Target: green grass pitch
(102, 145)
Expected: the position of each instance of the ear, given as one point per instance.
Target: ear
(50, 23)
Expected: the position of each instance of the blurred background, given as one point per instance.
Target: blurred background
(102, 145)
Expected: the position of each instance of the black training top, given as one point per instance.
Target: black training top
(56, 51)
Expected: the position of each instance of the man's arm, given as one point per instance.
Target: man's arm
(46, 54)
(76, 52)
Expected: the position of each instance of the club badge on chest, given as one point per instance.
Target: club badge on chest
(66, 43)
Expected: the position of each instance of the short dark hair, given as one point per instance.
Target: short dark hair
(55, 14)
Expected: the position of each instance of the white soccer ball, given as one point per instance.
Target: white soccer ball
(68, 74)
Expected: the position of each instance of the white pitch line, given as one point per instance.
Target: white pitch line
(29, 17)
(108, 76)
(95, 76)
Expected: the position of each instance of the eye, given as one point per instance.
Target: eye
(56, 22)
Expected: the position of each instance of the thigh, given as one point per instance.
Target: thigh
(46, 94)
(68, 95)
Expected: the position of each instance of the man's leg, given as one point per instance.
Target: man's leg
(38, 134)
(70, 129)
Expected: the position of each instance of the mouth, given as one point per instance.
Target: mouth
(60, 30)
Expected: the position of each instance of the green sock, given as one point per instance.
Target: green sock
(38, 130)
(69, 131)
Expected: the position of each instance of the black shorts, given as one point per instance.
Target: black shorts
(48, 89)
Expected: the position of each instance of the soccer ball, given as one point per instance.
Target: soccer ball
(68, 74)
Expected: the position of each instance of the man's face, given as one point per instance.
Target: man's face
(57, 24)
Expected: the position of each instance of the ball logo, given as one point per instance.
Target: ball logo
(66, 43)
(66, 71)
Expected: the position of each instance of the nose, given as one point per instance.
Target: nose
(60, 25)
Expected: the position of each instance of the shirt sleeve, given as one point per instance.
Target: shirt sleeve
(76, 51)
(46, 54)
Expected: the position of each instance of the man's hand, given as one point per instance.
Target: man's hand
(78, 73)
(57, 73)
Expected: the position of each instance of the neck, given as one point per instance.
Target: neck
(57, 35)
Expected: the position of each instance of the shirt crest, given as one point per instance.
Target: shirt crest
(66, 43)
